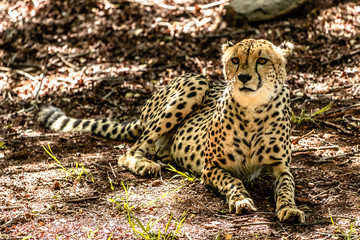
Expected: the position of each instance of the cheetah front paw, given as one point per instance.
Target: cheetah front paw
(140, 166)
(241, 205)
(290, 214)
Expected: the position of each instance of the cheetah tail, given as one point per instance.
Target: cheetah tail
(54, 119)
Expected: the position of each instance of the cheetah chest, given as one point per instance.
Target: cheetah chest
(243, 141)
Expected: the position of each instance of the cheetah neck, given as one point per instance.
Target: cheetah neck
(249, 101)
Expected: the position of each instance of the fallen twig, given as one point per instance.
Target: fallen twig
(104, 79)
(229, 34)
(341, 57)
(316, 149)
(283, 223)
(338, 216)
(338, 88)
(340, 112)
(330, 124)
(69, 64)
(340, 236)
(18, 112)
(109, 94)
(328, 158)
(193, 8)
(11, 207)
(350, 124)
(18, 71)
(187, 235)
(323, 192)
(112, 169)
(255, 223)
(56, 60)
(76, 200)
(10, 222)
(243, 217)
(296, 139)
(281, 226)
(42, 76)
(343, 163)
(40, 136)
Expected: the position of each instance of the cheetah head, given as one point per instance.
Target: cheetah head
(255, 69)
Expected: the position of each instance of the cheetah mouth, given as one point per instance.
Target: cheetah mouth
(245, 89)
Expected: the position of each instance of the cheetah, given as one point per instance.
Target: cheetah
(225, 131)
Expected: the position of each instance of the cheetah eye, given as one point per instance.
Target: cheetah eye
(235, 60)
(262, 61)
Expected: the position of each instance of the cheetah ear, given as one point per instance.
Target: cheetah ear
(225, 46)
(286, 48)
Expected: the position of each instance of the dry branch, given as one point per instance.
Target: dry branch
(292, 224)
(67, 63)
(10, 222)
(339, 236)
(77, 200)
(316, 149)
(42, 76)
(296, 139)
(340, 112)
(329, 158)
(344, 217)
(340, 128)
(112, 169)
(20, 72)
(193, 8)
(11, 207)
(357, 51)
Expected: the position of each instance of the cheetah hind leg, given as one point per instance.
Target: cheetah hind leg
(178, 99)
(140, 165)
(145, 167)
(162, 147)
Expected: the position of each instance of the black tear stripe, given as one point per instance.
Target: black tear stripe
(260, 81)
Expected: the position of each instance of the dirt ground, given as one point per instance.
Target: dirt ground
(94, 59)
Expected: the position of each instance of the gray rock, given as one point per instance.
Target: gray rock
(262, 10)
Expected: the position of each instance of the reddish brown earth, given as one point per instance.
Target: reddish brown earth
(95, 60)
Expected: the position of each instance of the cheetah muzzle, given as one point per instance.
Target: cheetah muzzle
(226, 131)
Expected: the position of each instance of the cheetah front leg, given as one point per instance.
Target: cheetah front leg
(237, 197)
(286, 210)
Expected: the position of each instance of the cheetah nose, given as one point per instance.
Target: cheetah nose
(244, 78)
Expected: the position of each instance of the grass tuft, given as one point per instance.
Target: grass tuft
(76, 173)
(187, 176)
(147, 231)
(304, 117)
(345, 235)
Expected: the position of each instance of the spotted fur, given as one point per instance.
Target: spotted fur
(226, 131)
